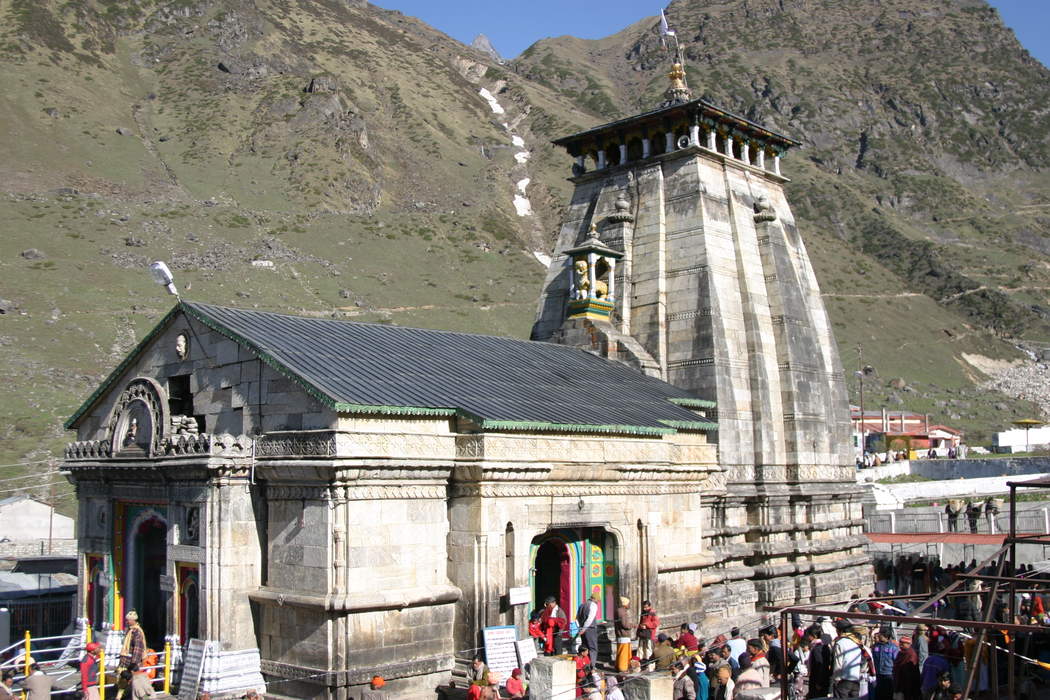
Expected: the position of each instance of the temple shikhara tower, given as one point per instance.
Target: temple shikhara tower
(679, 256)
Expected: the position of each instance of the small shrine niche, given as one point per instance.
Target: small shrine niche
(137, 423)
(592, 287)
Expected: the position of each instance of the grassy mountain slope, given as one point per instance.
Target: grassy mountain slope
(349, 147)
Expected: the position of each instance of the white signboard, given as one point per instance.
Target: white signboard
(526, 649)
(520, 596)
(192, 666)
(501, 656)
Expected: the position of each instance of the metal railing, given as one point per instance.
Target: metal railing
(57, 654)
(1031, 521)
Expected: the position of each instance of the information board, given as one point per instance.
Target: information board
(501, 656)
(526, 651)
(192, 667)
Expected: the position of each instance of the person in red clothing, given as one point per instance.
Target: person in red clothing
(515, 686)
(553, 622)
(648, 628)
(89, 671)
(687, 638)
(583, 668)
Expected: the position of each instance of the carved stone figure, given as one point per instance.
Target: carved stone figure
(583, 279)
(764, 210)
(182, 346)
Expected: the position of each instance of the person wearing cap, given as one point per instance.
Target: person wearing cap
(624, 627)
(587, 619)
(906, 679)
(132, 652)
(613, 691)
(920, 642)
(375, 689)
(553, 622)
(663, 654)
(89, 671)
(515, 685)
(648, 626)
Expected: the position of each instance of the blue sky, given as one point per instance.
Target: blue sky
(514, 26)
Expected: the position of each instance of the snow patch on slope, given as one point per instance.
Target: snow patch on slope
(497, 108)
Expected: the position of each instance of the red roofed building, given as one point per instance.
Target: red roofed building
(902, 430)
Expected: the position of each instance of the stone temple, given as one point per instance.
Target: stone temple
(679, 256)
(326, 500)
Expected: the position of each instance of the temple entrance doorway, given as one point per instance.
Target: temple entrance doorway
(147, 562)
(569, 564)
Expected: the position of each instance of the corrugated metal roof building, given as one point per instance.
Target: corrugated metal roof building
(359, 498)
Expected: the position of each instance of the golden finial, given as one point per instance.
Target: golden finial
(678, 91)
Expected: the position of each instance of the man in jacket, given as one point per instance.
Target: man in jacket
(663, 654)
(648, 626)
(683, 688)
(850, 660)
(587, 619)
(552, 624)
(89, 671)
(819, 663)
(884, 654)
(38, 684)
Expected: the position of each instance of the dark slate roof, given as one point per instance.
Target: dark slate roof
(502, 383)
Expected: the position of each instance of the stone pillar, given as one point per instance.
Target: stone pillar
(612, 279)
(670, 141)
(712, 144)
(647, 148)
(729, 145)
(592, 274)
(581, 163)
(694, 135)
(601, 158)
(654, 687)
(623, 153)
(761, 158)
(745, 152)
(552, 677)
(776, 164)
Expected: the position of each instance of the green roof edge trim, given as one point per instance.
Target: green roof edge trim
(705, 426)
(692, 403)
(574, 427)
(119, 370)
(393, 410)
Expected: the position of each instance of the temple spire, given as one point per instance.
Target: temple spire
(678, 91)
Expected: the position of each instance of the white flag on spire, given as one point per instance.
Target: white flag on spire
(664, 30)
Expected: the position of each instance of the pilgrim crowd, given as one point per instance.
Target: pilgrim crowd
(820, 658)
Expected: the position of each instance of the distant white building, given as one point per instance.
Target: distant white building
(26, 518)
(1020, 440)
